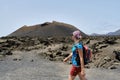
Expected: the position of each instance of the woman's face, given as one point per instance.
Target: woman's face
(73, 38)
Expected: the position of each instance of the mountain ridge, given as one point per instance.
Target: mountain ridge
(115, 33)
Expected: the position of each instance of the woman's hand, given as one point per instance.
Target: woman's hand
(83, 72)
(65, 60)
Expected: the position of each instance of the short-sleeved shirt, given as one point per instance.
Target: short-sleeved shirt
(75, 55)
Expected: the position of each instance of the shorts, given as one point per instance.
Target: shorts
(75, 70)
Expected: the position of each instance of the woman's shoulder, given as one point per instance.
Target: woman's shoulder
(79, 45)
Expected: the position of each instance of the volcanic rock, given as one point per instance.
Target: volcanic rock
(117, 54)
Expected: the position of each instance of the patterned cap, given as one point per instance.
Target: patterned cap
(77, 34)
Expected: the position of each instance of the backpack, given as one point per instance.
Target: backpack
(87, 54)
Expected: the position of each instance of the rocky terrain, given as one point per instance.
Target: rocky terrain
(27, 58)
(106, 51)
(37, 52)
(24, 65)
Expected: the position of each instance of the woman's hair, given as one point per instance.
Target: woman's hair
(77, 34)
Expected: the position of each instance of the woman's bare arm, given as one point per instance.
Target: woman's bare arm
(67, 58)
(81, 59)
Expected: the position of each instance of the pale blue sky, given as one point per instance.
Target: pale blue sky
(90, 16)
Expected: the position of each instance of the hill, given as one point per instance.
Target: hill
(95, 34)
(114, 33)
(47, 29)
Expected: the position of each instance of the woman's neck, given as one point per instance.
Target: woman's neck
(76, 41)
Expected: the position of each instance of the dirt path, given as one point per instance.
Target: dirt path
(29, 66)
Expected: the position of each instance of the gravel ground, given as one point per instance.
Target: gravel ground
(30, 66)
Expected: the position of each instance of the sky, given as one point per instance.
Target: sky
(90, 16)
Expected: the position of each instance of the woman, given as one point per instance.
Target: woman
(77, 58)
